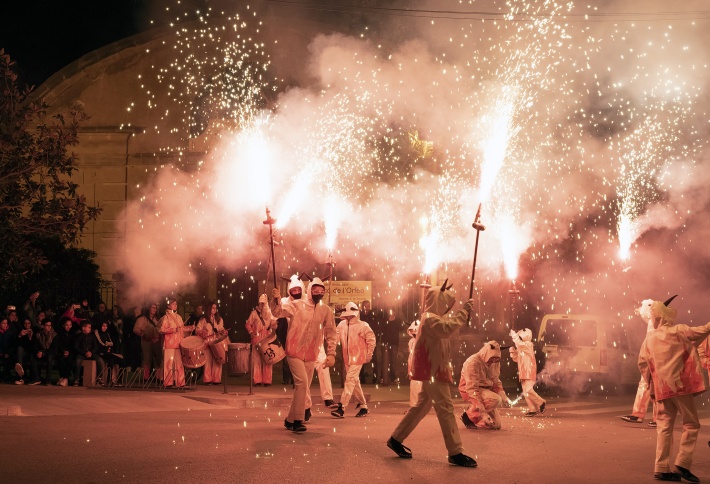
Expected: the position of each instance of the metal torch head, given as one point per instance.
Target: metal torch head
(478, 226)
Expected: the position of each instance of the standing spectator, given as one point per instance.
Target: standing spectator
(670, 364)
(146, 328)
(84, 311)
(432, 366)
(258, 326)
(209, 328)
(8, 340)
(390, 347)
(131, 342)
(357, 341)
(24, 350)
(86, 347)
(13, 321)
(71, 313)
(102, 315)
(66, 355)
(44, 351)
(195, 317)
(172, 327)
(108, 352)
(117, 318)
(32, 309)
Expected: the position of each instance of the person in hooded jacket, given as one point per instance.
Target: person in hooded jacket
(259, 325)
(670, 364)
(432, 366)
(357, 341)
(415, 386)
(109, 352)
(481, 387)
(308, 323)
(524, 355)
(296, 289)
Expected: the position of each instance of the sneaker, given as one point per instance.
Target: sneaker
(686, 474)
(631, 418)
(338, 412)
(468, 423)
(362, 413)
(19, 370)
(653, 425)
(401, 450)
(63, 382)
(298, 426)
(667, 476)
(462, 460)
(308, 415)
(19, 382)
(530, 414)
(542, 407)
(76, 383)
(329, 403)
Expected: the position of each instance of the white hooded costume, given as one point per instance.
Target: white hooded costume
(415, 386)
(481, 387)
(524, 356)
(357, 341)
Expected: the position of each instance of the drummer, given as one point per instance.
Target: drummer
(258, 325)
(172, 328)
(210, 327)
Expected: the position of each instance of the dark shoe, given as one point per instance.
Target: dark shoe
(267, 384)
(298, 426)
(462, 460)
(399, 449)
(468, 423)
(653, 425)
(362, 413)
(36, 382)
(308, 415)
(338, 412)
(542, 407)
(530, 414)
(667, 476)
(288, 425)
(687, 475)
(328, 403)
(631, 418)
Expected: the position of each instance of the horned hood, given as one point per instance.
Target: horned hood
(295, 282)
(439, 300)
(525, 334)
(315, 282)
(491, 349)
(657, 313)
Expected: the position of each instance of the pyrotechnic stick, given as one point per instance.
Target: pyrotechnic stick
(270, 222)
(331, 264)
(479, 228)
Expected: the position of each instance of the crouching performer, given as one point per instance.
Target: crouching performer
(481, 387)
(431, 365)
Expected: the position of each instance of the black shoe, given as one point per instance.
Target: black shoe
(653, 425)
(328, 403)
(632, 419)
(462, 460)
(686, 474)
(338, 412)
(530, 414)
(362, 413)
(468, 423)
(542, 407)
(298, 426)
(308, 415)
(288, 425)
(667, 476)
(399, 449)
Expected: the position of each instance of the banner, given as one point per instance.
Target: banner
(339, 293)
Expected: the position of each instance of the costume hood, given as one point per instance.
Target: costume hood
(413, 328)
(295, 281)
(657, 312)
(315, 282)
(439, 299)
(525, 334)
(490, 350)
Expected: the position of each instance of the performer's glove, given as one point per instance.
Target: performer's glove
(329, 361)
(263, 300)
(275, 293)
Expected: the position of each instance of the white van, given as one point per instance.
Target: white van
(584, 351)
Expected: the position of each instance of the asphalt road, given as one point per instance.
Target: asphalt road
(97, 436)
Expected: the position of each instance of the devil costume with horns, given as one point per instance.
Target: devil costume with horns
(670, 365)
(432, 366)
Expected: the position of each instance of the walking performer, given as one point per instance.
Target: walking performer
(295, 291)
(308, 323)
(481, 387)
(357, 341)
(210, 327)
(415, 386)
(524, 355)
(432, 366)
(258, 326)
(643, 394)
(670, 364)
(172, 328)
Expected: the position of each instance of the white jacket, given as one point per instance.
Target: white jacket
(357, 341)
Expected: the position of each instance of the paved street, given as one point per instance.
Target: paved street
(84, 435)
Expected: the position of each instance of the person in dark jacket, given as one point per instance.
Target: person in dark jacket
(391, 330)
(24, 350)
(66, 355)
(87, 348)
(44, 351)
(109, 350)
(8, 342)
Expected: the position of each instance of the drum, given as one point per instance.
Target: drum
(270, 349)
(219, 348)
(238, 358)
(192, 350)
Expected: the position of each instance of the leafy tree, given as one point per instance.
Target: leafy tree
(38, 200)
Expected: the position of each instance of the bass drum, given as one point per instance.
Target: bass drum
(192, 350)
(238, 358)
(219, 349)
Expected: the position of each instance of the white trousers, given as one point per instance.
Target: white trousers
(302, 372)
(352, 386)
(667, 412)
(173, 371)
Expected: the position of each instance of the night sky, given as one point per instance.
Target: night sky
(43, 36)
